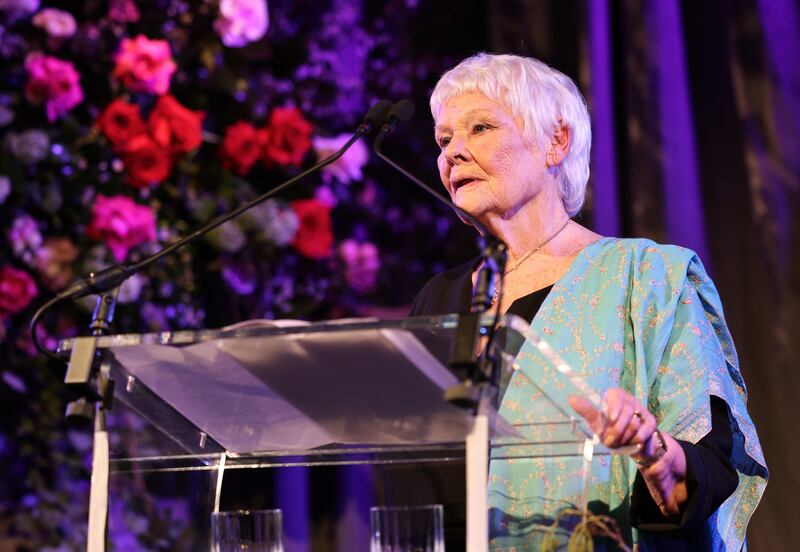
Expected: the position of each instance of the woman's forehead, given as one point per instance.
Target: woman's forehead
(464, 106)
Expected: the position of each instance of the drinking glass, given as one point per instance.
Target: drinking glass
(407, 529)
(247, 531)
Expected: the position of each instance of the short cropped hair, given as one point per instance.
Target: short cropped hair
(542, 97)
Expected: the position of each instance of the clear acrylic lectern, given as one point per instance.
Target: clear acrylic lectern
(282, 393)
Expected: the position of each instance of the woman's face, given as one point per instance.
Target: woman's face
(485, 163)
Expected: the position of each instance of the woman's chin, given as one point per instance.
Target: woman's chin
(467, 200)
(475, 208)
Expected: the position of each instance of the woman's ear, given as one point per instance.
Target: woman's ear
(559, 145)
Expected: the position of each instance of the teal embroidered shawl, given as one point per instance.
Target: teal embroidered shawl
(647, 318)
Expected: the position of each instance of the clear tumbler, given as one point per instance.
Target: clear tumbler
(247, 530)
(407, 529)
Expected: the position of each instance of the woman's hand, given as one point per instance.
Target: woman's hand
(661, 460)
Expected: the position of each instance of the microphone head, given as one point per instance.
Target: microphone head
(377, 114)
(402, 111)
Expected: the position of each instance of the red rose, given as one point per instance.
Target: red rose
(120, 122)
(241, 147)
(286, 138)
(314, 236)
(17, 290)
(146, 161)
(174, 127)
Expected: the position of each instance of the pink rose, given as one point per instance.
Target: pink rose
(242, 21)
(362, 263)
(53, 82)
(348, 167)
(17, 290)
(121, 223)
(55, 22)
(144, 65)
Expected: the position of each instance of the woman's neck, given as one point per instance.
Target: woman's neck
(541, 219)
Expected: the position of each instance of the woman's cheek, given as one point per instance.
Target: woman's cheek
(444, 170)
(502, 160)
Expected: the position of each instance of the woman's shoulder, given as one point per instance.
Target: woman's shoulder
(445, 291)
(454, 276)
(641, 250)
(644, 263)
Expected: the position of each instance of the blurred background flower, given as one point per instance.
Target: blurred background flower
(120, 122)
(176, 129)
(274, 221)
(146, 161)
(17, 290)
(54, 261)
(29, 146)
(241, 147)
(53, 82)
(286, 138)
(314, 236)
(241, 21)
(57, 23)
(25, 238)
(227, 237)
(121, 223)
(349, 166)
(362, 263)
(144, 65)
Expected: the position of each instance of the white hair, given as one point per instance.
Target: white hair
(542, 97)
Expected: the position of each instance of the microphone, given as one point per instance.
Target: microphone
(401, 112)
(112, 277)
(376, 116)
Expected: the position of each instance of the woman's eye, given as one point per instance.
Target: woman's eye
(443, 141)
(480, 127)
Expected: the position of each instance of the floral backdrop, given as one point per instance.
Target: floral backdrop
(126, 124)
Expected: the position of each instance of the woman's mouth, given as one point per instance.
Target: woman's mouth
(461, 182)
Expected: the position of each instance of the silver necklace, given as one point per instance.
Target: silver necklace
(526, 256)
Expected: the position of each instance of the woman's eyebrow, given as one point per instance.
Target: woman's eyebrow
(467, 115)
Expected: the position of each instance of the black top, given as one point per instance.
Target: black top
(710, 477)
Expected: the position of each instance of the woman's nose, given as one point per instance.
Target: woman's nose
(457, 150)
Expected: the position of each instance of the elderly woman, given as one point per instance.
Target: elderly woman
(641, 322)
